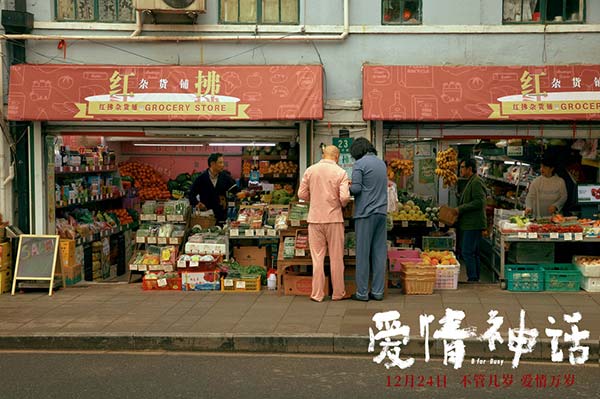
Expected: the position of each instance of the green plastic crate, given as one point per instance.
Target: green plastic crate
(441, 243)
(561, 277)
(524, 278)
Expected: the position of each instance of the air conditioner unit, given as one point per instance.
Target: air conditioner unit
(172, 6)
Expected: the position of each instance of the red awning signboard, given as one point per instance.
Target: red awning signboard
(165, 93)
(481, 93)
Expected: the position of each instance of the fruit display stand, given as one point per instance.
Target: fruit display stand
(162, 232)
(548, 237)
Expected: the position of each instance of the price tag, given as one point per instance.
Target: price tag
(174, 241)
(255, 158)
(140, 240)
(182, 264)
(300, 252)
(133, 267)
(405, 223)
(554, 236)
(155, 268)
(429, 223)
(260, 232)
(162, 240)
(142, 268)
(532, 235)
(240, 284)
(568, 237)
(271, 232)
(249, 233)
(162, 282)
(441, 224)
(289, 175)
(194, 263)
(234, 232)
(276, 175)
(168, 268)
(161, 218)
(151, 240)
(228, 282)
(578, 236)
(522, 234)
(284, 157)
(295, 223)
(351, 252)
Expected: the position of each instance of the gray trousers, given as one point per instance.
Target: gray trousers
(371, 254)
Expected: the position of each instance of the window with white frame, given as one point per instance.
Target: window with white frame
(95, 10)
(401, 12)
(543, 11)
(259, 11)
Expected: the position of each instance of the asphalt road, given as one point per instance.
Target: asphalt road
(25, 375)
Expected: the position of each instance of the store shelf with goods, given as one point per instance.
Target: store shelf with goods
(67, 170)
(88, 200)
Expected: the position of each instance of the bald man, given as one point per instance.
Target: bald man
(326, 186)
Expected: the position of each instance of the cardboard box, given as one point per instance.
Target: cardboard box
(67, 252)
(72, 274)
(200, 281)
(297, 284)
(5, 253)
(257, 256)
(5, 281)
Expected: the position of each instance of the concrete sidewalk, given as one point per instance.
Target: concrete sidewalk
(124, 317)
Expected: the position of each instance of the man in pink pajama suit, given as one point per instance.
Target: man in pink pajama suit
(325, 185)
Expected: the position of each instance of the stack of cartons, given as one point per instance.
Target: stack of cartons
(97, 260)
(70, 267)
(6, 271)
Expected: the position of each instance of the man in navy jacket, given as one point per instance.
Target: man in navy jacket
(209, 190)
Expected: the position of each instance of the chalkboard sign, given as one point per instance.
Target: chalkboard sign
(36, 258)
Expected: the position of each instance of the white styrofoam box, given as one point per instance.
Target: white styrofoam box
(588, 270)
(590, 284)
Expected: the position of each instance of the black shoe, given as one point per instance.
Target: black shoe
(355, 298)
(375, 297)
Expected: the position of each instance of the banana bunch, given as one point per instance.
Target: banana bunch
(447, 162)
(400, 167)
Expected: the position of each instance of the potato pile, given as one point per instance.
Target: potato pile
(447, 162)
(400, 167)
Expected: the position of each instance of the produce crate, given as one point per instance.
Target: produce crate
(441, 243)
(446, 277)
(531, 253)
(590, 284)
(589, 266)
(165, 284)
(561, 277)
(244, 284)
(416, 284)
(397, 255)
(417, 268)
(524, 278)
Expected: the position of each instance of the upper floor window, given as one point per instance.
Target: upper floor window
(95, 10)
(543, 11)
(401, 12)
(259, 11)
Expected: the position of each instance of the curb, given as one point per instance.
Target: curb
(268, 343)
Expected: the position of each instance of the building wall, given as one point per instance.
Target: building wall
(453, 33)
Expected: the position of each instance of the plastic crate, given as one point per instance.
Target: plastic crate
(446, 277)
(417, 285)
(438, 243)
(590, 284)
(397, 255)
(524, 278)
(245, 284)
(561, 277)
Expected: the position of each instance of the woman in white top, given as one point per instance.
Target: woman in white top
(547, 193)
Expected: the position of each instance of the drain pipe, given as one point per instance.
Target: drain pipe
(134, 37)
(139, 22)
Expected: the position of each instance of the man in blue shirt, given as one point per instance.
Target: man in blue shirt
(369, 187)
